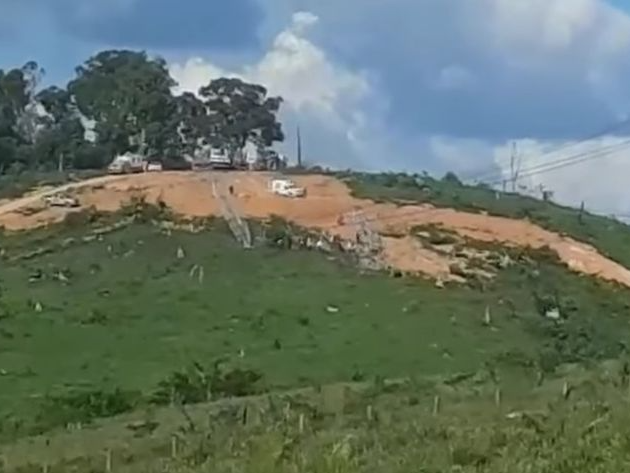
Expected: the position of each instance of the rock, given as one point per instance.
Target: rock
(331, 309)
(439, 283)
(553, 314)
(180, 253)
(505, 261)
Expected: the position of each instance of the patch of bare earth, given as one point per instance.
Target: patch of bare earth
(190, 194)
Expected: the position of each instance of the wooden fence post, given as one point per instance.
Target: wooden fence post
(369, 413)
(436, 405)
(301, 423)
(173, 446)
(566, 390)
(108, 461)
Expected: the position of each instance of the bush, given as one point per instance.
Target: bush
(145, 212)
(85, 406)
(81, 218)
(451, 178)
(195, 385)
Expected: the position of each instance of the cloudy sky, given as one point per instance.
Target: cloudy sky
(398, 84)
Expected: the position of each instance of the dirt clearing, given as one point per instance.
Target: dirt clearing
(328, 199)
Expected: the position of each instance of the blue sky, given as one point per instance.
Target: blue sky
(404, 84)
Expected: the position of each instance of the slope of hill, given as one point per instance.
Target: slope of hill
(141, 298)
(329, 207)
(609, 236)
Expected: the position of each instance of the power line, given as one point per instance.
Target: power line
(559, 164)
(601, 133)
(538, 169)
(569, 161)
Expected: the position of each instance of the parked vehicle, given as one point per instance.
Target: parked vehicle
(220, 158)
(286, 188)
(126, 164)
(154, 166)
(61, 200)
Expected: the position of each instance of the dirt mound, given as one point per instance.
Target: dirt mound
(325, 208)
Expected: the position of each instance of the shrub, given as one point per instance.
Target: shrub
(195, 384)
(85, 406)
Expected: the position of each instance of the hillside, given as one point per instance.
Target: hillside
(324, 209)
(141, 298)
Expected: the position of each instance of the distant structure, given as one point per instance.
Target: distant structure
(251, 156)
(299, 148)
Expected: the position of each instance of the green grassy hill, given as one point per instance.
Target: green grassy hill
(128, 314)
(611, 237)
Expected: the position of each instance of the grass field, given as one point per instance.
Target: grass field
(15, 185)
(577, 423)
(109, 322)
(124, 312)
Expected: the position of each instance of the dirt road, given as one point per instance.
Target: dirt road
(190, 194)
(9, 206)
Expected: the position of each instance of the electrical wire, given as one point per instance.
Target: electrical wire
(604, 132)
(568, 161)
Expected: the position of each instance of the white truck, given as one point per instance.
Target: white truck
(219, 158)
(286, 188)
(126, 164)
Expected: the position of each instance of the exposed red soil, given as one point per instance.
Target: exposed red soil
(190, 194)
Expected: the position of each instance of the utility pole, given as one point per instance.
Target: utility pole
(299, 148)
(513, 170)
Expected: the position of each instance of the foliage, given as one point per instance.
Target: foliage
(139, 312)
(195, 384)
(16, 184)
(119, 101)
(241, 111)
(381, 428)
(84, 407)
(129, 96)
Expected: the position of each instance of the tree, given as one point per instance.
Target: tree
(129, 96)
(17, 120)
(62, 130)
(238, 111)
(192, 121)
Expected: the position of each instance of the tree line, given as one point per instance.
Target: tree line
(119, 101)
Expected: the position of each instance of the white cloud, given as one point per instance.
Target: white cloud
(529, 52)
(593, 171)
(317, 92)
(302, 73)
(504, 69)
(195, 73)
